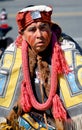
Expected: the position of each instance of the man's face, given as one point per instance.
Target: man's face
(38, 36)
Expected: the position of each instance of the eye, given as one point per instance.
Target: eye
(32, 29)
(43, 27)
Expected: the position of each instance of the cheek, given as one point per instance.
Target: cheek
(31, 40)
(47, 35)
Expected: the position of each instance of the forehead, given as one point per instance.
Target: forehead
(38, 24)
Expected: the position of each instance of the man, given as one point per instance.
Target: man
(3, 16)
(35, 99)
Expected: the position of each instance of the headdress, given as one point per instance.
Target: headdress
(28, 15)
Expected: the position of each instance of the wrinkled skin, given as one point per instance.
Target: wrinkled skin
(38, 35)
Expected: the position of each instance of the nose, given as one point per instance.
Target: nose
(38, 33)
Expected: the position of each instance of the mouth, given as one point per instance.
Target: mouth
(41, 43)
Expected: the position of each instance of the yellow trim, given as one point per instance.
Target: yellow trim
(69, 100)
(68, 56)
(78, 60)
(31, 121)
(74, 99)
(80, 76)
(13, 80)
(7, 60)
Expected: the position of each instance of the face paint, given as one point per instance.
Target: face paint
(38, 36)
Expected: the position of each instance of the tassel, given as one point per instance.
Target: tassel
(58, 109)
(25, 100)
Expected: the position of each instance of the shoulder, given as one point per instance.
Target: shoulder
(68, 43)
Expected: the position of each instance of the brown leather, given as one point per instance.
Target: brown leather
(59, 124)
